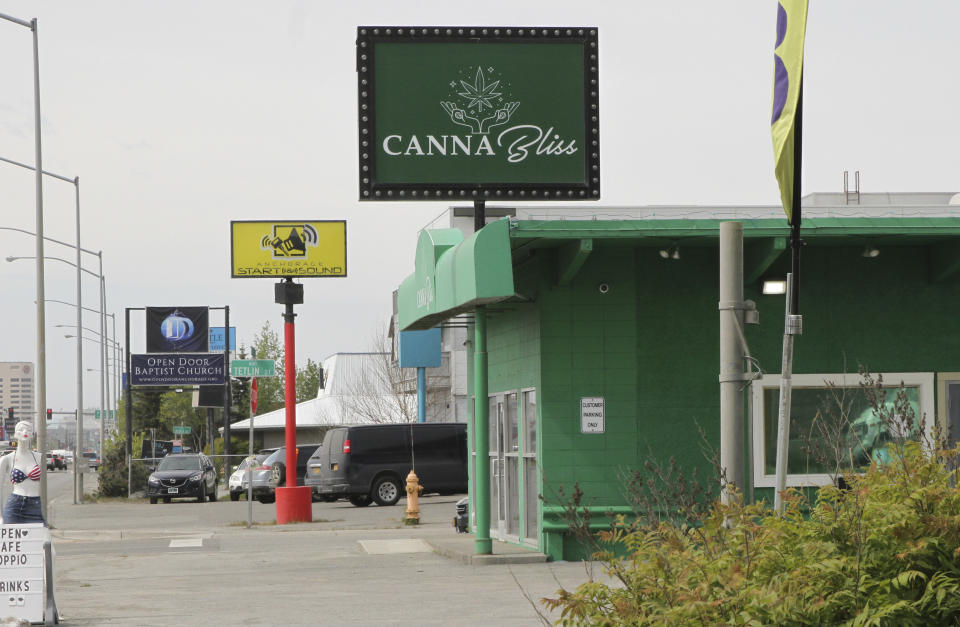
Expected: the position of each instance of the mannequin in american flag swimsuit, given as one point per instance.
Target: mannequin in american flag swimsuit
(21, 468)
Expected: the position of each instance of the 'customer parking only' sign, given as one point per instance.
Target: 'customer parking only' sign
(591, 414)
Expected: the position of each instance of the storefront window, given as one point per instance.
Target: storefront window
(833, 424)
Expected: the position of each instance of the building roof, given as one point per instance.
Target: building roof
(354, 390)
(454, 274)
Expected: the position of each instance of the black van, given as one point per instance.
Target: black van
(371, 462)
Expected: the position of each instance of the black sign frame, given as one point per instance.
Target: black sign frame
(370, 189)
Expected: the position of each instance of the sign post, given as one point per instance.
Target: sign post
(478, 113)
(286, 249)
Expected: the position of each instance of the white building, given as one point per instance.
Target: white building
(356, 390)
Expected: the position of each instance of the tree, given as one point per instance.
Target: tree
(270, 390)
(384, 392)
(308, 381)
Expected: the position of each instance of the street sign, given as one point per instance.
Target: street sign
(252, 368)
(96, 414)
(179, 430)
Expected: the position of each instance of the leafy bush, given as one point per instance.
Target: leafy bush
(112, 476)
(885, 550)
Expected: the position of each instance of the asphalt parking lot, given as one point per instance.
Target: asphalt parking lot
(187, 563)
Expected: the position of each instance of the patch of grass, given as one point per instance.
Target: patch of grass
(243, 523)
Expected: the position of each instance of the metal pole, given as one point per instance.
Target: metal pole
(792, 326)
(481, 438)
(253, 355)
(793, 323)
(41, 311)
(290, 393)
(421, 394)
(128, 427)
(479, 215)
(226, 390)
(105, 369)
(77, 477)
(731, 356)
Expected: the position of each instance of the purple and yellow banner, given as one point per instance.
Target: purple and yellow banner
(787, 76)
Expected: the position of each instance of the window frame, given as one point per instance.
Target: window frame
(924, 381)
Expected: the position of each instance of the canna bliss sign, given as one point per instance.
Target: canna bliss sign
(478, 113)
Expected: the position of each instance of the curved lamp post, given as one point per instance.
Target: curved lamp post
(41, 425)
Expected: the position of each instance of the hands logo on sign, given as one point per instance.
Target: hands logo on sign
(478, 95)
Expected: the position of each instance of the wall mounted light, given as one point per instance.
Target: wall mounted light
(870, 251)
(673, 252)
(774, 286)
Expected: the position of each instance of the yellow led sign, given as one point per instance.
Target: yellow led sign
(288, 248)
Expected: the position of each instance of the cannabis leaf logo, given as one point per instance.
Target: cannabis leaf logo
(479, 93)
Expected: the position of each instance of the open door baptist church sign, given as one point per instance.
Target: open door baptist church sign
(478, 113)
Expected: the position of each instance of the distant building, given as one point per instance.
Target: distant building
(16, 390)
(357, 390)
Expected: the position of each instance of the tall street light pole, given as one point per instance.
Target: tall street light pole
(78, 478)
(79, 306)
(41, 422)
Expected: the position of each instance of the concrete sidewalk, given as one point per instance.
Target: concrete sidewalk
(122, 563)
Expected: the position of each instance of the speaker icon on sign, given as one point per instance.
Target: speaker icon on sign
(290, 240)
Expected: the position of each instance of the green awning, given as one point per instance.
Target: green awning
(454, 275)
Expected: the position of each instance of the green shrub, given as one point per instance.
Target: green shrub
(884, 550)
(112, 476)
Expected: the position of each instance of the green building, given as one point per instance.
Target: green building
(595, 344)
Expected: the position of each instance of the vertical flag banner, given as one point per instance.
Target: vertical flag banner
(787, 74)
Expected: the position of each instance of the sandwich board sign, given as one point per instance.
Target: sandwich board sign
(22, 571)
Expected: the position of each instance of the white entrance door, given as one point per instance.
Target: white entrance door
(504, 468)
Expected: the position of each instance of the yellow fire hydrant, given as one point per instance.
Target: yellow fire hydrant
(414, 490)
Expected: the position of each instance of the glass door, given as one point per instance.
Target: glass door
(497, 513)
(531, 492)
(511, 470)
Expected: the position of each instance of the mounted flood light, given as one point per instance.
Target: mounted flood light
(775, 286)
(673, 252)
(870, 251)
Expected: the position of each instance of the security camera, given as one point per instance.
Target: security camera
(603, 288)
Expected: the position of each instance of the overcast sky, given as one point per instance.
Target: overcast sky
(179, 117)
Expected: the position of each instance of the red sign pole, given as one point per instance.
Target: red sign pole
(290, 396)
(294, 503)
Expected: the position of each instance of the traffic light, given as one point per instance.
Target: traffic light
(49, 414)
(10, 415)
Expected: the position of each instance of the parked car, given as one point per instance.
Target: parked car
(367, 463)
(237, 484)
(183, 475)
(272, 472)
(55, 461)
(93, 460)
